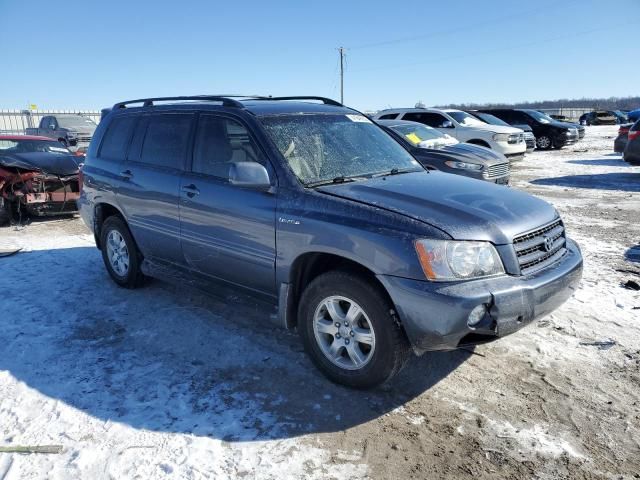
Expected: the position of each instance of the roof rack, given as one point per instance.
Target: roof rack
(226, 100)
(325, 100)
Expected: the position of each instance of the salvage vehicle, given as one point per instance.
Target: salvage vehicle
(529, 138)
(38, 177)
(465, 159)
(312, 207)
(71, 130)
(598, 118)
(549, 133)
(621, 140)
(631, 153)
(464, 127)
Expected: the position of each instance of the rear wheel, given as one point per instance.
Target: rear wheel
(120, 253)
(543, 142)
(349, 331)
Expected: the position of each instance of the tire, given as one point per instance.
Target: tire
(120, 253)
(5, 214)
(384, 348)
(543, 142)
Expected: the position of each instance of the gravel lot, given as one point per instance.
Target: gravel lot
(166, 382)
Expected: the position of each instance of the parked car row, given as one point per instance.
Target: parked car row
(328, 217)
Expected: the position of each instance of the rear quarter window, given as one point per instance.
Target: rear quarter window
(117, 137)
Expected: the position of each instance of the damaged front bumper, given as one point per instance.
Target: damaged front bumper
(39, 194)
(435, 315)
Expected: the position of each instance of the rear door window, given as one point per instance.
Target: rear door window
(432, 119)
(166, 140)
(388, 116)
(117, 137)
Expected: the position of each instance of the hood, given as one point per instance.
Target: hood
(438, 142)
(463, 152)
(493, 128)
(465, 208)
(524, 127)
(563, 124)
(53, 163)
(81, 132)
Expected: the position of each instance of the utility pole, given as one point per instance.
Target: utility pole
(341, 50)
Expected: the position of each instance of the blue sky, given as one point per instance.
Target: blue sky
(84, 54)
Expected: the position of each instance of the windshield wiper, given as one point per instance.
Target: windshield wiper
(333, 181)
(396, 171)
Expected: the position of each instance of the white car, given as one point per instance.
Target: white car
(464, 127)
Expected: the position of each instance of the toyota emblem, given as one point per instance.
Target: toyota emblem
(548, 243)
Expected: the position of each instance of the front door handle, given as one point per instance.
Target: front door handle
(191, 190)
(126, 174)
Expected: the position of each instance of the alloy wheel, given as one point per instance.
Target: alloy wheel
(344, 333)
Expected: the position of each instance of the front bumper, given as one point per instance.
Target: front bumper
(435, 314)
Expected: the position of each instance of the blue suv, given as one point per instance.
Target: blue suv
(310, 205)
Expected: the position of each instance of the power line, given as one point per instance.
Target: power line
(463, 28)
(495, 50)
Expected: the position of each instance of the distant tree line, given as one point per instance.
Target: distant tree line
(611, 103)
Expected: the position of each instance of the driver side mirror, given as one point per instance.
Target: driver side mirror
(446, 124)
(249, 175)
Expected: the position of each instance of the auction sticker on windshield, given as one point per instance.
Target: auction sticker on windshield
(358, 118)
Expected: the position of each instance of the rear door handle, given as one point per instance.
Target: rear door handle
(191, 190)
(126, 174)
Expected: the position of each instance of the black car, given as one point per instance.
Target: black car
(632, 150)
(600, 117)
(461, 158)
(529, 137)
(549, 133)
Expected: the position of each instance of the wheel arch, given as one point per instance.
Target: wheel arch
(102, 211)
(308, 266)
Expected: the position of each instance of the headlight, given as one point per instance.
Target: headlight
(72, 134)
(463, 165)
(501, 137)
(455, 260)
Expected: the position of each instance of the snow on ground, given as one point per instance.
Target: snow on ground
(168, 382)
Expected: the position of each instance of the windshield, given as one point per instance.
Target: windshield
(463, 118)
(321, 148)
(29, 146)
(488, 118)
(418, 133)
(541, 117)
(73, 121)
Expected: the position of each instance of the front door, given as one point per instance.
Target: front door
(227, 232)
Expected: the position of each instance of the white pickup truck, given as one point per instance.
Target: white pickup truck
(465, 128)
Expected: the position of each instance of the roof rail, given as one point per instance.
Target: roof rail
(325, 100)
(226, 100)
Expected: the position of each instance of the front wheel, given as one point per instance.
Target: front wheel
(543, 142)
(349, 330)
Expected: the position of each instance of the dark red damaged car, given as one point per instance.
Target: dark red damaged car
(38, 177)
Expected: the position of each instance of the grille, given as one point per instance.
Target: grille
(540, 248)
(498, 170)
(530, 139)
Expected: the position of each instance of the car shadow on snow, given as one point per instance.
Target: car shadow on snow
(601, 162)
(605, 181)
(170, 358)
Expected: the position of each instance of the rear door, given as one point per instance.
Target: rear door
(228, 232)
(150, 183)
